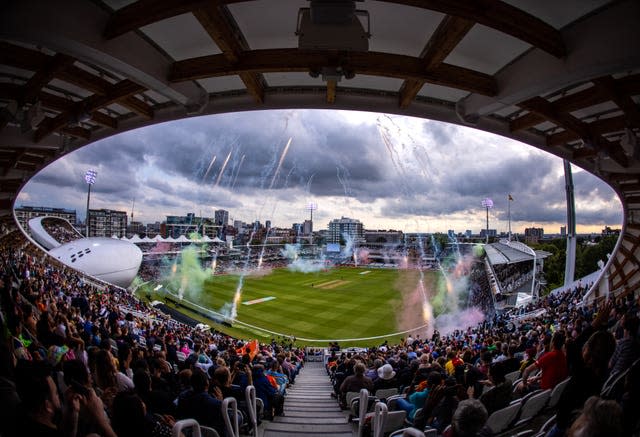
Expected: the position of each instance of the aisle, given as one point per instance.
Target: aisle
(309, 408)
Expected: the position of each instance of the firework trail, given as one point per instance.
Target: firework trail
(237, 172)
(284, 154)
(206, 173)
(343, 179)
(224, 165)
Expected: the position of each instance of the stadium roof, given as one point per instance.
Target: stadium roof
(510, 253)
(561, 76)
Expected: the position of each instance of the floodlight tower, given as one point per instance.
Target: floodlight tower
(90, 179)
(487, 203)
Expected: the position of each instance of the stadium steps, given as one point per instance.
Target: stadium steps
(309, 408)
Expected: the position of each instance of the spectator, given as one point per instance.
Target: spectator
(553, 366)
(386, 378)
(156, 401)
(131, 419)
(469, 420)
(500, 396)
(628, 348)
(417, 399)
(356, 382)
(271, 399)
(197, 403)
(599, 418)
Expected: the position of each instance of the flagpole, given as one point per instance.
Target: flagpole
(509, 214)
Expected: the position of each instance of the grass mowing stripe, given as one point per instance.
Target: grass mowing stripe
(359, 306)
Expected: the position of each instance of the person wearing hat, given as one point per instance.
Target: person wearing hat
(386, 378)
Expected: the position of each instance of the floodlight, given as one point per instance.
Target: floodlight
(487, 203)
(90, 176)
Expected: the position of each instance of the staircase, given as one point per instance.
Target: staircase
(309, 408)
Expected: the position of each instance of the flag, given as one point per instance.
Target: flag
(250, 348)
(510, 198)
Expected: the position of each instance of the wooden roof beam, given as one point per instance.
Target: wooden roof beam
(55, 64)
(598, 127)
(224, 31)
(495, 14)
(143, 12)
(579, 100)
(446, 37)
(119, 91)
(83, 79)
(500, 16)
(33, 60)
(77, 131)
(136, 105)
(331, 90)
(371, 63)
(599, 144)
(624, 101)
(104, 120)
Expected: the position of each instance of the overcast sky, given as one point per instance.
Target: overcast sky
(390, 172)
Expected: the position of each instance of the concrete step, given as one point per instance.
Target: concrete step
(311, 420)
(302, 413)
(307, 429)
(292, 433)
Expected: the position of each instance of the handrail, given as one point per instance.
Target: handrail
(250, 396)
(233, 430)
(380, 419)
(176, 431)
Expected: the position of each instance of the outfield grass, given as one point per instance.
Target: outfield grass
(339, 303)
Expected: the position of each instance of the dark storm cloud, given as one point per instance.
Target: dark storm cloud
(415, 168)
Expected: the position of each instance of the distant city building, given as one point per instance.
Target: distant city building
(607, 231)
(492, 233)
(221, 217)
(153, 229)
(26, 213)
(176, 225)
(136, 228)
(533, 235)
(267, 224)
(307, 227)
(563, 231)
(107, 223)
(468, 233)
(382, 238)
(345, 228)
(238, 224)
(280, 235)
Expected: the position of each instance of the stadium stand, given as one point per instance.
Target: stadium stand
(109, 353)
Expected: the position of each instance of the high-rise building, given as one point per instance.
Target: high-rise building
(26, 213)
(492, 233)
(221, 217)
(107, 223)
(533, 235)
(176, 225)
(563, 231)
(345, 228)
(267, 224)
(307, 227)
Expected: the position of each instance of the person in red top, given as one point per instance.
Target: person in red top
(553, 367)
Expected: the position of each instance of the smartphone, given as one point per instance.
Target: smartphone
(79, 388)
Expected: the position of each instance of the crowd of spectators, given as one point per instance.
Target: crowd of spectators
(81, 358)
(464, 372)
(60, 229)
